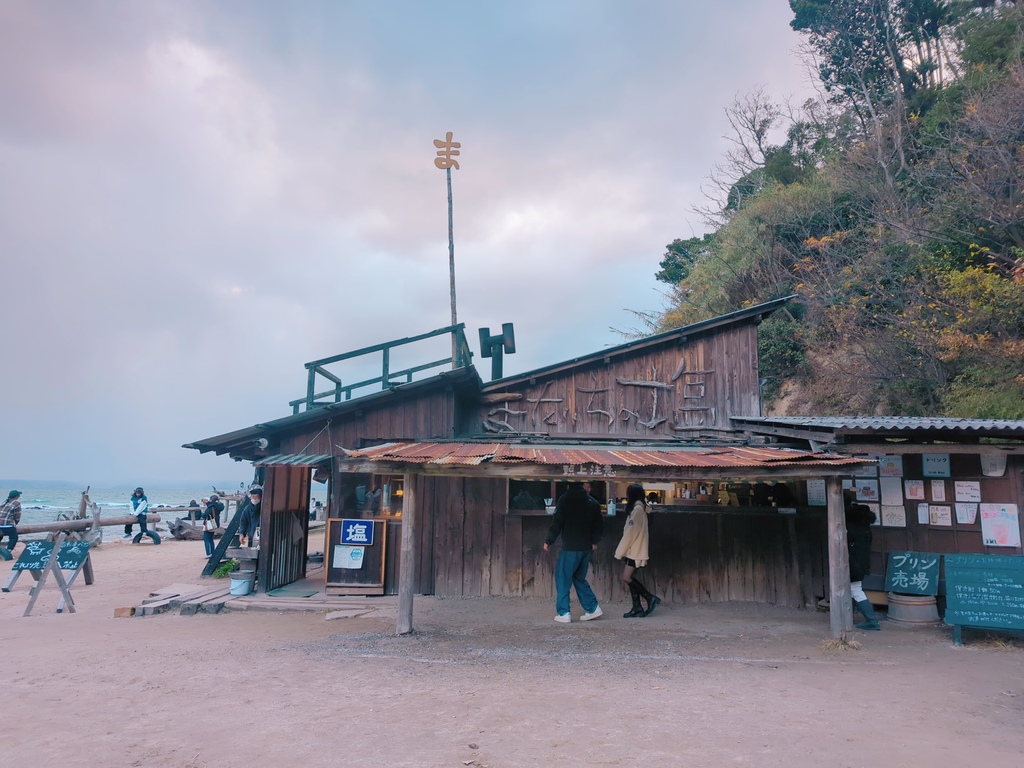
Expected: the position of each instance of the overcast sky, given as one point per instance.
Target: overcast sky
(198, 198)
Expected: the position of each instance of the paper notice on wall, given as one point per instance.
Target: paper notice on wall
(892, 491)
(816, 496)
(914, 489)
(935, 464)
(940, 514)
(894, 517)
(993, 465)
(967, 490)
(938, 490)
(877, 509)
(890, 466)
(348, 557)
(1000, 525)
(867, 490)
(966, 514)
(922, 514)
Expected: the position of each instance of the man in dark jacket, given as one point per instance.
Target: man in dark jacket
(249, 522)
(859, 519)
(578, 521)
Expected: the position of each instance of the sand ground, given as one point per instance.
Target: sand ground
(485, 682)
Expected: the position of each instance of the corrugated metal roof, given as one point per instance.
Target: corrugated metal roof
(889, 423)
(294, 460)
(471, 454)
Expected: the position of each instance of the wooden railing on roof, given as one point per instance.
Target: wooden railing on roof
(313, 399)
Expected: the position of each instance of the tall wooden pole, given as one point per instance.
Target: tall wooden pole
(451, 268)
(840, 605)
(407, 568)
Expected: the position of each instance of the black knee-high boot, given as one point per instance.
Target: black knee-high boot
(652, 600)
(637, 609)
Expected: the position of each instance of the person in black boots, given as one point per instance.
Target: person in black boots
(633, 551)
(858, 540)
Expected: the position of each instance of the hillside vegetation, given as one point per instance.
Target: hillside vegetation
(892, 209)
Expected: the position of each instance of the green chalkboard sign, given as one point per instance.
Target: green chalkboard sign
(36, 554)
(912, 573)
(985, 591)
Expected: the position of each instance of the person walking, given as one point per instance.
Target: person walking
(10, 516)
(633, 552)
(859, 519)
(211, 522)
(578, 521)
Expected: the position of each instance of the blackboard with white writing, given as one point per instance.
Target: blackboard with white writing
(912, 573)
(985, 591)
(36, 554)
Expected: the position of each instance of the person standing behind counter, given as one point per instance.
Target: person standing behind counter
(249, 522)
(578, 521)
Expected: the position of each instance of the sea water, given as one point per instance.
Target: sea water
(43, 505)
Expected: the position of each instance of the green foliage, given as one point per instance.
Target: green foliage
(782, 353)
(681, 256)
(223, 570)
(904, 238)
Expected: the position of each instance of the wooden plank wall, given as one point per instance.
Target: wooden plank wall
(715, 377)
(695, 557)
(426, 417)
(284, 526)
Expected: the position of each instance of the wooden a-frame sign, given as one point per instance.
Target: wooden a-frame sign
(38, 559)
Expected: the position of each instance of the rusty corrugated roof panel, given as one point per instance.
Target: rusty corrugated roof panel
(470, 454)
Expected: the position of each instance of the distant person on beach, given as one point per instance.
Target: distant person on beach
(211, 514)
(249, 522)
(10, 516)
(140, 506)
(194, 509)
(138, 499)
(578, 521)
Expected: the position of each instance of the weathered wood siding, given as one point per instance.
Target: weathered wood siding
(429, 416)
(666, 390)
(284, 526)
(478, 550)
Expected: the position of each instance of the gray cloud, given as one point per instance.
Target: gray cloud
(198, 198)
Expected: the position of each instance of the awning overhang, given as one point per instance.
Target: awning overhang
(295, 460)
(605, 461)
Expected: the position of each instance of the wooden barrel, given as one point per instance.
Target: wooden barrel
(913, 609)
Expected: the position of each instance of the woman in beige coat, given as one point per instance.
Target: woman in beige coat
(633, 551)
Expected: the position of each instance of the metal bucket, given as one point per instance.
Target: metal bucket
(242, 582)
(913, 609)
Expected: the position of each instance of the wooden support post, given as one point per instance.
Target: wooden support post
(407, 570)
(52, 564)
(840, 605)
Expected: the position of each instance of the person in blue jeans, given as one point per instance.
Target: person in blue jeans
(578, 521)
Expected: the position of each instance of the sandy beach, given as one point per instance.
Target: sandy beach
(484, 682)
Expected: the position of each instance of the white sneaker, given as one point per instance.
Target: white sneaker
(563, 618)
(592, 615)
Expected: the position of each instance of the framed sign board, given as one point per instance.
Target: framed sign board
(354, 558)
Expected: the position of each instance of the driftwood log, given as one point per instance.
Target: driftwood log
(84, 523)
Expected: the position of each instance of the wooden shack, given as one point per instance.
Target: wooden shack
(458, 475)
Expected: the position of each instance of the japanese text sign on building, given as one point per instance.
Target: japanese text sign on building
(913, 573)
(357, 532)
